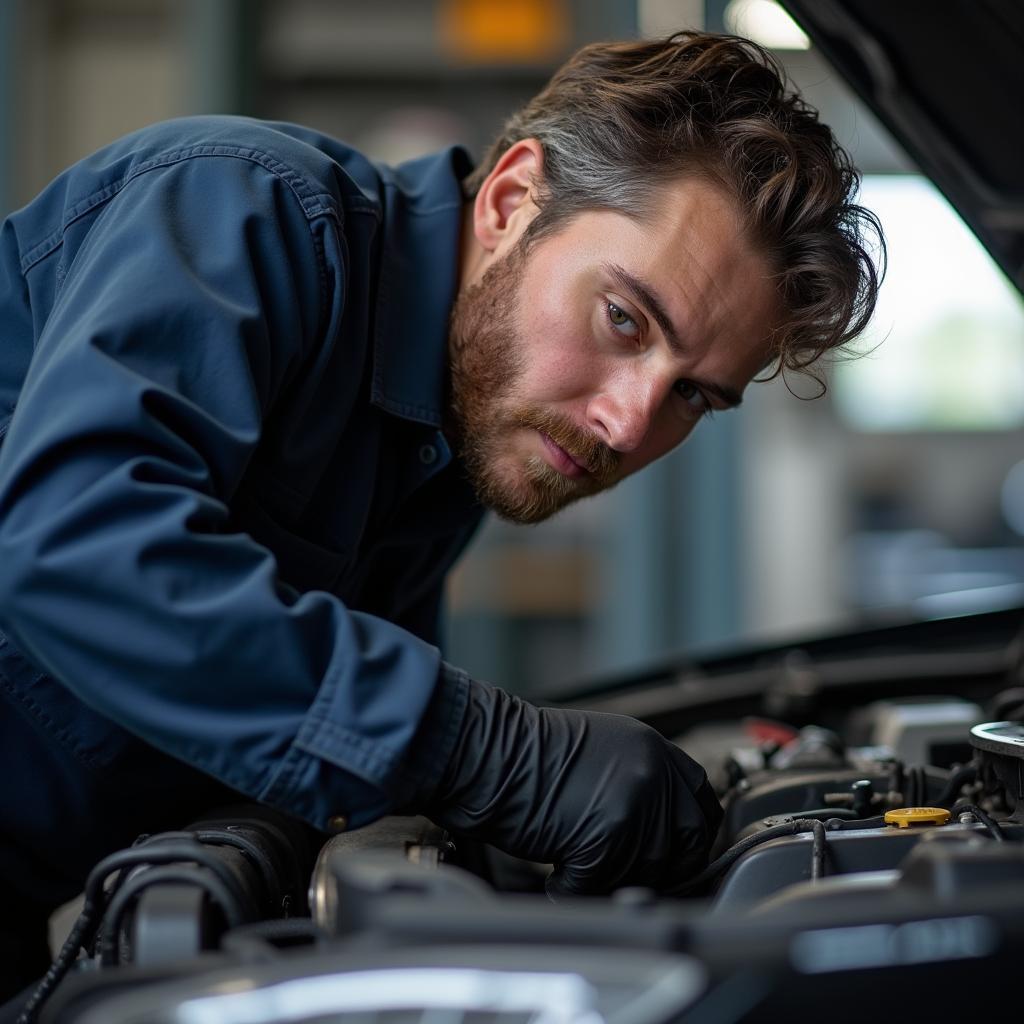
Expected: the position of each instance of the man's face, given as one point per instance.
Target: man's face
(598, 350)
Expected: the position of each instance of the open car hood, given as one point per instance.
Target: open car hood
(947, 79)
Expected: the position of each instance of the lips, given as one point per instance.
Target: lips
(564, 461)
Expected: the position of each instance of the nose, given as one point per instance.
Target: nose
(622, 413)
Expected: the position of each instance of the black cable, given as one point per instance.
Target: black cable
(62, 962)
(82, 929)
(94, 900)
(727, 859)
(817, 851)
(845, 824)
(252, 850)
(959, 779)
(194, 850)
(214, 837)
(133, 887)
(824, 813)
(984, 817)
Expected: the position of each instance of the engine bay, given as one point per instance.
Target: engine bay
(871, 859)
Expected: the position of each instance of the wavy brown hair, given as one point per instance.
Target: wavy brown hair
(618, 120)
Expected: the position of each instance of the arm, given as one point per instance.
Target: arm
(201, 289)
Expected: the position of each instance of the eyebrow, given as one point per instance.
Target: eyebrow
(652, 305)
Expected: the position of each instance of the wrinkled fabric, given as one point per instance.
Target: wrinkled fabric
(227, 503)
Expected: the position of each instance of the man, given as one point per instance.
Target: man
(257, 393)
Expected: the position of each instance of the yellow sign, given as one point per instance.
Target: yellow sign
(504, 31)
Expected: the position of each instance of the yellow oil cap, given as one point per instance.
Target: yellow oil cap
(904, 817)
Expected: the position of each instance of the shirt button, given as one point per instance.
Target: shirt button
(428, 455)
(337, 823)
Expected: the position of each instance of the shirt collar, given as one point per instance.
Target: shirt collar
(422, 229)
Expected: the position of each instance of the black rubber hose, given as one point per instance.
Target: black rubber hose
(824, 813)
(80, 932)
(252, 850)
(132, 889)
(818, 851)
(984, 817)
(727, 859)
(204, 855)
(959, 779)
(844, 824)
(84, 928)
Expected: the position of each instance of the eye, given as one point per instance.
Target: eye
(622, 322)
(693, 397)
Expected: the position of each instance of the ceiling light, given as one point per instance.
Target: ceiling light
(766, 23)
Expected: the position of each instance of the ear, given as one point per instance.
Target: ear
(504, 205)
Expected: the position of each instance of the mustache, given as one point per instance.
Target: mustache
(600, 461)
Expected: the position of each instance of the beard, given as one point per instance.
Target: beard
(486, 362)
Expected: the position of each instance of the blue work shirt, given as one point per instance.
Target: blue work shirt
(227, 503)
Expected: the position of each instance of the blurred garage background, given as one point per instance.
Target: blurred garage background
(898, 495)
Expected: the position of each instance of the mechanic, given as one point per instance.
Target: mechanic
(257, 394)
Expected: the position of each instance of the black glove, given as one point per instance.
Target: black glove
(605, 798)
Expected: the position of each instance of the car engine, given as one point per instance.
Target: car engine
(870, 861)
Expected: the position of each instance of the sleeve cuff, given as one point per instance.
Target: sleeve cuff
(434, 743)
(320, 790)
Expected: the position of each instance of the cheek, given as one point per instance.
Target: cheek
(559, 363)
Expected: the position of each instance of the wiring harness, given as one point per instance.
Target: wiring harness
(248, 871)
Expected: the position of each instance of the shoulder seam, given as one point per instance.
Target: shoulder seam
(314, 203)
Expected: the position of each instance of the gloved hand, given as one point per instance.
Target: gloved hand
(604, 798)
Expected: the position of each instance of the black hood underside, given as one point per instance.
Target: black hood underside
(947, 79)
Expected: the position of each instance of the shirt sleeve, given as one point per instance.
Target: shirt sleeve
(200, 290)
